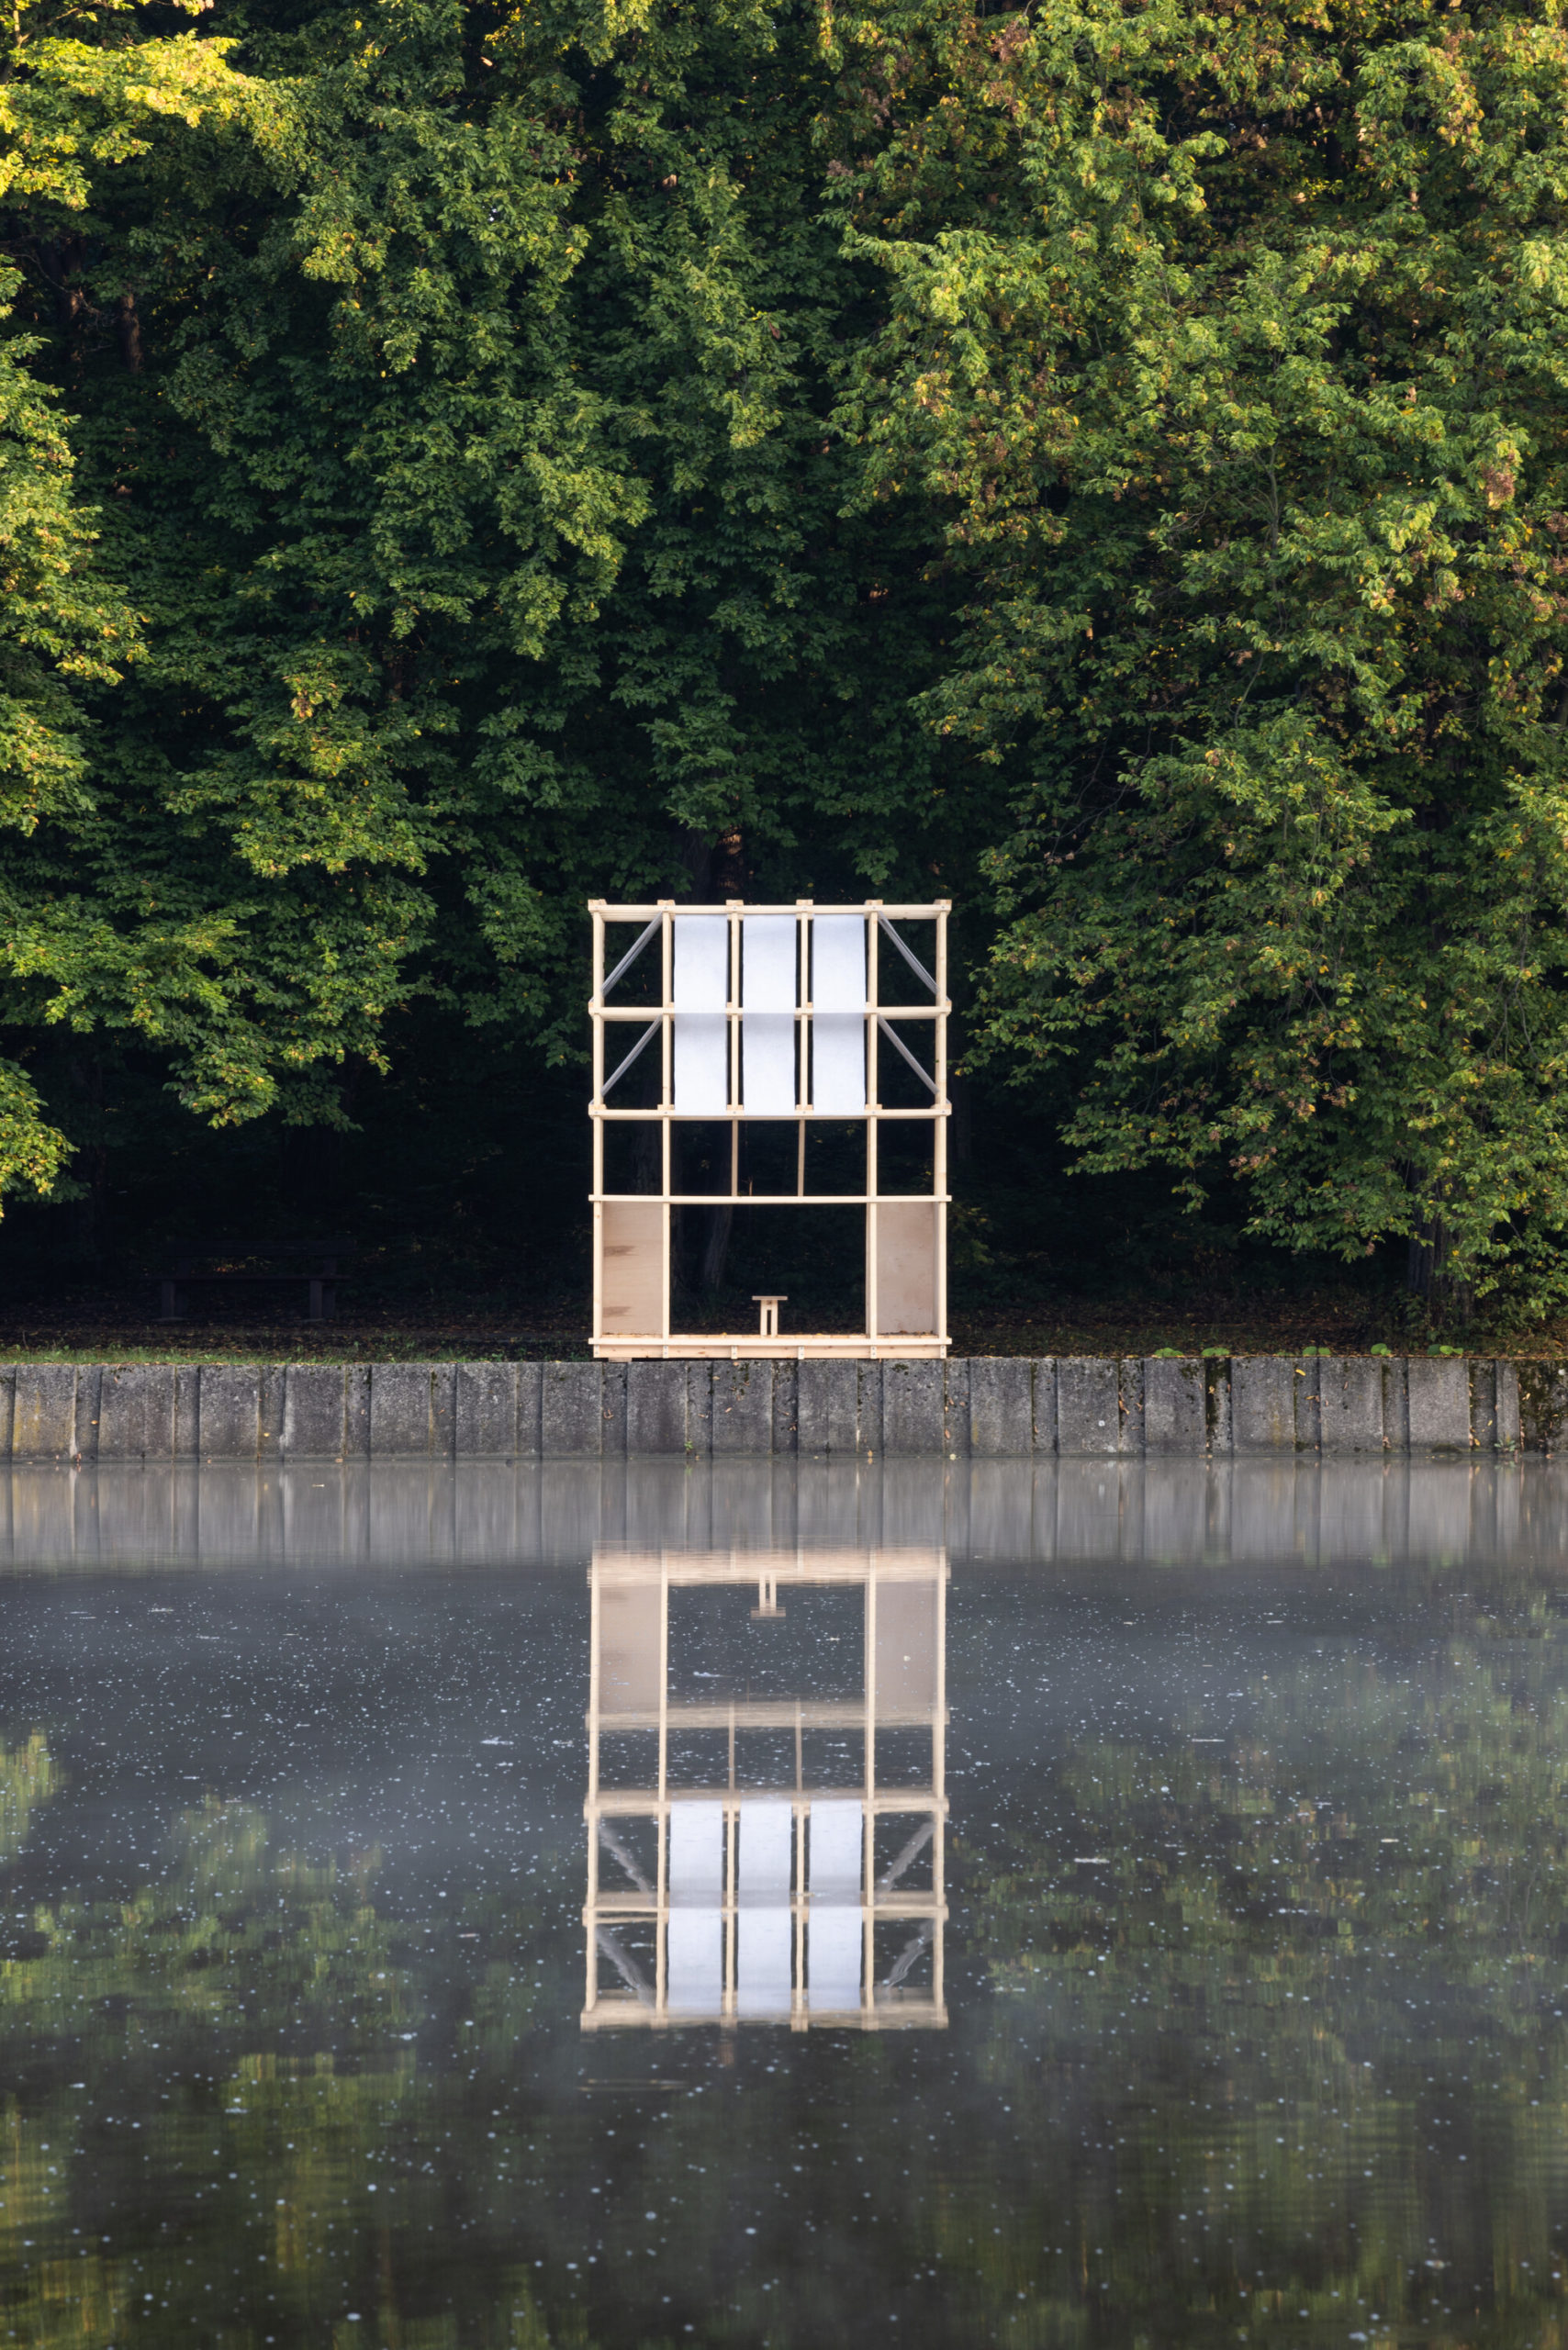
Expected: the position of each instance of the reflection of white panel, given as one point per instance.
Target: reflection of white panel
(694, 1961)
(763, 1862)
(838, 1064)
(768, 1063)
(763, 1965)
(701, 988)
(838, 963)
(833, 1958)
(767, 962)
(696, 1851)
(834, 1853)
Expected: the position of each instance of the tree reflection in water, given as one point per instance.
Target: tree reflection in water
(1255, 1974)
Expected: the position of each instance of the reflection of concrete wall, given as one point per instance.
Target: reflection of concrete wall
(1301, 1507)
(1096, 1408)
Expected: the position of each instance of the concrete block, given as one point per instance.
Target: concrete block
(314, 1400)
(228, 1411)
(1482, 1404)
(699, 1378)
(1438, 1389)
(1543, 1404)
(1089, 1410)
(7, 1402)
(1396, 1404)
(870, 1390)
(1175, 1415)
(742, 1407)
(1263, 1402)
(827, 1407)
(1044, 1408)
(187, 1410)
(1130, 1390)
(485, 1405)
(89, 1388)
(570, 1412)
(136, 1413)
(913, 1410)
(655, 1408)
(1001, 1400)
(956, 1406)
(1216, 1395)
(274, 1401)
(613, 1410)
(786, 1408)
(1508, 1400)
(357, 1412)
(443, 1409)
(530, 1385)
(399, 1410)
(1349, 1394)
(1309, 1403)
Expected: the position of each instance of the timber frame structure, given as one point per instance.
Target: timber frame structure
(776, 1013)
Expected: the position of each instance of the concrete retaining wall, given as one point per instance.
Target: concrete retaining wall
(992, 1407)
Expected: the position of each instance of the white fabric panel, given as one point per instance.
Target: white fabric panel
(768, 1029)
(702, 984)
(763, 1862)
(694, 1961)
(768, 1063)
(767, 962)
(765, 1963)
(833, 1958)
(833, 1853)
(701, 962)
(838, 962)
(696, 1851)
(701, 1064)
(838, 1064)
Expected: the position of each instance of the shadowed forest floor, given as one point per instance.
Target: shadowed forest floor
(124, 1328)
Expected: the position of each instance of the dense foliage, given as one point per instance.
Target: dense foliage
(1106, 462)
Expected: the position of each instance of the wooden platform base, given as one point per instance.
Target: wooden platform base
(680, 1347)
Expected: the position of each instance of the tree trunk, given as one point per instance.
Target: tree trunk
(1429, 1271)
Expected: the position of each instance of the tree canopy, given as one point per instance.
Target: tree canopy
(1103, 462)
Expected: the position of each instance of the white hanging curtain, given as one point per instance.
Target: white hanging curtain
(838, 1023)
(702, 985)
(768, 1018)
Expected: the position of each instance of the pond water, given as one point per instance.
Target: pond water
(1077, 1905)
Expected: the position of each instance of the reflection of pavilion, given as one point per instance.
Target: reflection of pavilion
(773, 1857)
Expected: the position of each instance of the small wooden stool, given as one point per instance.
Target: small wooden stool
(770, 1306)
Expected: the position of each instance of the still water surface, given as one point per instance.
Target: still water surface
(1069, 1906)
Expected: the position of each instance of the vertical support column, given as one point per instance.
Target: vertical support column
(802, 992)
(873, 908)
(939, 1791)
(590, 1809)
(868, 1840)
(666, 1110)
(732, 1874)
(595, 1115)
(661, 1926)
(732, 1010)
(939, 1122)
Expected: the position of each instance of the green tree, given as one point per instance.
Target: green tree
(1228, 342)
(457, 397)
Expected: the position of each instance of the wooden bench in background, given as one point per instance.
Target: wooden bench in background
(319, 1278)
